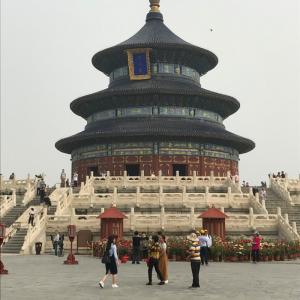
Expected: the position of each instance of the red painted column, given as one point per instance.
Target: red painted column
(202, 168)
(110, 165)
(155, 164)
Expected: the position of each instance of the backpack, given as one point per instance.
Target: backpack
(105, 258)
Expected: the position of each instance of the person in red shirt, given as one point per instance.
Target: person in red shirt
(256, 247)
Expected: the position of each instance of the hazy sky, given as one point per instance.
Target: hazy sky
(46, 51)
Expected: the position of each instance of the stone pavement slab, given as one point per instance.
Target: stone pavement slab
(45, 277)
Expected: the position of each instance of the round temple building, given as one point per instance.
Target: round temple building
(155, 115)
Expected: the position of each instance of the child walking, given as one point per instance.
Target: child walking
(154, 252)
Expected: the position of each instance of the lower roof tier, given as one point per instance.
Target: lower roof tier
(169, 90)
(155, 128)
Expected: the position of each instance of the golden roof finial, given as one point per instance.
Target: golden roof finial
(154, 4)
(213, 205)
(112, 205)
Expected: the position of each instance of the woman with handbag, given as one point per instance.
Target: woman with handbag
(110, 258)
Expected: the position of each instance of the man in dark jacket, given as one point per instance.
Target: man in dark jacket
(254, 190)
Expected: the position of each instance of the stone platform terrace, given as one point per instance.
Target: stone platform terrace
(45, 277)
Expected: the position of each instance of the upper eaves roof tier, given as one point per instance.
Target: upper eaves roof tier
(167, 48)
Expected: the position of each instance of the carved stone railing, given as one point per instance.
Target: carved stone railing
(7, 202)
(64, 198)
(180, 222)
(18, 183)
(280, 187)
(144, 181)
(182, 199)
(36, 233)
(285, 229)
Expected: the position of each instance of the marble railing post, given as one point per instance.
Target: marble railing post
(192, 218)
(125, 179)
(115, 195)
(206, 195)
(278, 211)
(212, 181)
(184, 196)
(251, 216)
(102, 210)
(263, 204)
(159, 177)
(162, 217)
(132, 218)
(194, 178)
(286, 218)
(228, 175)
(14, 197)
(142, 177)
(28, 178)
(270, 179)
(294, 226)
(250, 191)
(1, 181)
(256, 197)
(160, 197)
(82, 186)
(73, 216)
(138, 196)
(177, 178)
(229, 195)
(91, 195)
(92, 174)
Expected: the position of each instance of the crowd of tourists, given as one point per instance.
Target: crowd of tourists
(279, 175)
(65, 182)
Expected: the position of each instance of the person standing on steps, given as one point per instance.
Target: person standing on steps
(31, 216)
(254, 190)
(263, 194)
(42, 191)
(203, 241)
(194, 257)
(255, 247)
(282, 174)
(136, 248)
(38, 187)
(63, 177)
(75, 179)
(55, 242)
(236, 177)
(112, 266)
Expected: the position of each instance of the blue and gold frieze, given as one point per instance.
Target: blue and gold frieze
(217, 154)
(179, 152)
(181, 145)
(132, 145)
(155, 110)
(150, 148)
(105, 114)
(159, 68)
(174, 111)
(137, 111)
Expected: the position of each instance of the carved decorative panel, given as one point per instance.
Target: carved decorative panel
(165, 158)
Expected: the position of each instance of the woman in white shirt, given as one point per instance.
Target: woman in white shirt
(163, 258)
(112, 266)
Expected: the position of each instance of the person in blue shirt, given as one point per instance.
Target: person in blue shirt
(112, 266)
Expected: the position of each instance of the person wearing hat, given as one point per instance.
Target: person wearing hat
(194, 257)
(203, 241)
(208, 244)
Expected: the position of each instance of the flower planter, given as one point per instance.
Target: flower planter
(241, 257)
(282, 257)
(265, 258)
(233, 258)
(216, 258)
(261, 258)
(289, 256)
(270, 257)
(246, 257)
(277, 257)
(183, 257)
(178, 257)
(172, 257)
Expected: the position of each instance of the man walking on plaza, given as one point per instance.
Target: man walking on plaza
(194, 257)
(203, 241)
(55, 242)
(136, 248)
(208, 245)
(63, 177)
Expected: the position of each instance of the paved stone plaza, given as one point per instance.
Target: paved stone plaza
(45, 277)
